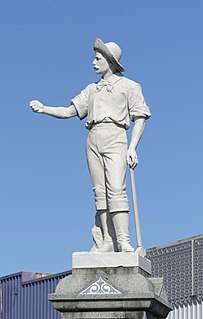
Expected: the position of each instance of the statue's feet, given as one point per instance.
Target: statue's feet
(104, 248)
(125, 247)
(108, 246)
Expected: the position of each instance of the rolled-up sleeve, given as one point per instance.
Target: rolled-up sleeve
(81, 102)
(136, 103)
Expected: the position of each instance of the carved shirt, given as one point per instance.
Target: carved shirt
(116, 100)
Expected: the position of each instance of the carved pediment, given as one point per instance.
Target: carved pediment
(100, 287)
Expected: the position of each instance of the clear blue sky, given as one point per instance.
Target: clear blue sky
(47, 207)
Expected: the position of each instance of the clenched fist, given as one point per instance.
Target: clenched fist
(37, 106)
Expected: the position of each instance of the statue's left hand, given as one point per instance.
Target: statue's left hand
(132, 159)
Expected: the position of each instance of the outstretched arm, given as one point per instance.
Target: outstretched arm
(59, 112)
(136, 135)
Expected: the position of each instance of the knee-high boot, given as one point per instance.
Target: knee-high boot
(108, 232)
(120, 222)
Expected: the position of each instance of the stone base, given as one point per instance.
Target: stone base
(122, 290)
(111, 260)
(109, 315)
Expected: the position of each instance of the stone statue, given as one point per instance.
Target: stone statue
(109, 105)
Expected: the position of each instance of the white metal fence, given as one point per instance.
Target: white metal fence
(193, 309)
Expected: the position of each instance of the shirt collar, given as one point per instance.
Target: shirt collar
(112, 79)
(108, 84)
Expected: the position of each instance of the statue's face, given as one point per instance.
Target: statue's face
(100, 64)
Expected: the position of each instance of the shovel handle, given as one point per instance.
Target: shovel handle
(135, 206)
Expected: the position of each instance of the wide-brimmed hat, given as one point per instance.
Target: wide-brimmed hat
(111, 50)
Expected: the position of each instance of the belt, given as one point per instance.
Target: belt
(91, 125)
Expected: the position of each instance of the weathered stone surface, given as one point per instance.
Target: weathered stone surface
(110, 293)
(109, 315)
(111, 259)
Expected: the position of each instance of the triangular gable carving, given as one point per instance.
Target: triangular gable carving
(100, 287)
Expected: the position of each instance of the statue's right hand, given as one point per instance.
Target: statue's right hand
(37, 106)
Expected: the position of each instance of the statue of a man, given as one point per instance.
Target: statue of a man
(108, 104)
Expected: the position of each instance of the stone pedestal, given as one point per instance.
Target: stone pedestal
(109, 286)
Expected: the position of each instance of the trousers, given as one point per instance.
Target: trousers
(106, 150)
